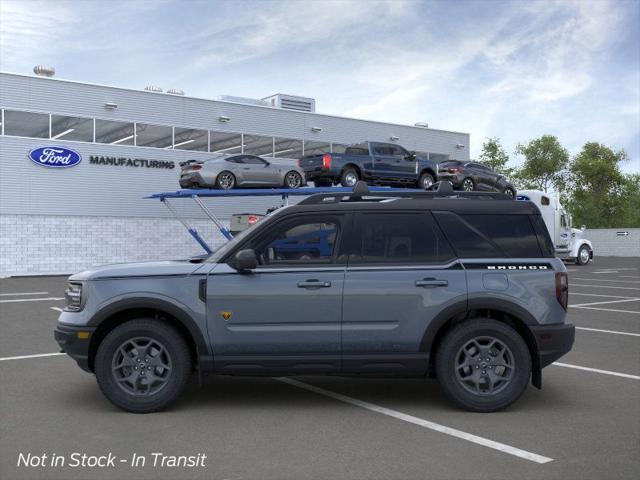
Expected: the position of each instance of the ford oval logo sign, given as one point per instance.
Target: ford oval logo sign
(55, 157)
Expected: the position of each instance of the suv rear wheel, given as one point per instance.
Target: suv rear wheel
(468, 185)
(143, 365)
(483, 365)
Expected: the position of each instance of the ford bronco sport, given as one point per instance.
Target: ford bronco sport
(460, 286)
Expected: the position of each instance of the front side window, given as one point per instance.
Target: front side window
(305, 241)
(253, 160)
(399, 238)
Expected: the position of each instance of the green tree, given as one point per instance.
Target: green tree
(544, 165)
(494, 156)
(600, 195)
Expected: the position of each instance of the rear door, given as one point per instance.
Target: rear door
(401, 275)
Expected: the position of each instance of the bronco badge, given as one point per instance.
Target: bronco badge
(225, 315)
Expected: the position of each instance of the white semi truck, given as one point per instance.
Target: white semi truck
(570, 243)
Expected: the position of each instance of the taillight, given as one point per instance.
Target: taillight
(326, 161)
(454, 170)
(562, 289)
(196, 167)
(252, 219)
(299, 162)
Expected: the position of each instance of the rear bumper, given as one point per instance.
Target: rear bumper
(455, 179)
(73, 345)
(553, 341)
(190, 180)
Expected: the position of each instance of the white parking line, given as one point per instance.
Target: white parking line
(13, 300)
(597, 370)
(603, 280)
(57, 309)
(608, 331)
(609, 310)
(629, 276)
(22, 357)
(17, 294)
(596, 295)
(606, 301)
(604, 286)
(485, 442)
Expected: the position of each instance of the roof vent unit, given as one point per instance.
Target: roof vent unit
(292, 102)
(243, 100)
(175, 91)
(153, 88)
(44, 71)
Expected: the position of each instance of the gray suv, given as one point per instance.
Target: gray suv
(463, 287)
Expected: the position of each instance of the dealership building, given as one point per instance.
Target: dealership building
(129, 144)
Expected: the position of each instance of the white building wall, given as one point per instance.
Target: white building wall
(608, 242)
(52, 244)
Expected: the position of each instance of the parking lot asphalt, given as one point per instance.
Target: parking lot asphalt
(584, 423)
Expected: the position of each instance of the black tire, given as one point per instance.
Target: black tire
(449, 374)
(178, 358)
(290, 176)
(584, 255)
(510, 192)
(426, 180)
(349, 177)
(468, 185)
(225, 180)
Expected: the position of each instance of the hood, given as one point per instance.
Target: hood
(141, 269)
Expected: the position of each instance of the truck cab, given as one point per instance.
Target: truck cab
(570, 243)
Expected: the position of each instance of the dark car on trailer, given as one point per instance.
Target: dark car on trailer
(470, 176)
(375, 162)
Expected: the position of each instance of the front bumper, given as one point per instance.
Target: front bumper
(553, 341)
(74, 341)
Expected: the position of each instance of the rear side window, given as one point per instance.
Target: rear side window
(544, 239)
(398, 238)
(467, 240)
(514, 234)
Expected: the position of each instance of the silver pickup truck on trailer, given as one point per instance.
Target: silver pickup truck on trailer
(464, 287)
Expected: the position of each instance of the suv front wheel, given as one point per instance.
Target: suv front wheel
(143, 365)
(483, 365)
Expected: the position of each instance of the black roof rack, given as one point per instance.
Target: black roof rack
(361, 193)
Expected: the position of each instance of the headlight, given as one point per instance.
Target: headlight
(73, 294)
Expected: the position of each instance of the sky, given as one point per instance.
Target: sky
(509, 69)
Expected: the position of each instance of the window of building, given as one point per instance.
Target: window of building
(411, 238)
(514, 234)
(227, 143)
(316, 148)
(71, 128)
(191, 139)
(114, 133)
(26, 124)
(308, 240)
(438, 157)
(258, 145)
(287, 148)
(157, 136)
(338, 148)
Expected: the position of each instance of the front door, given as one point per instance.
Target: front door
(285, 315)
(401, 274)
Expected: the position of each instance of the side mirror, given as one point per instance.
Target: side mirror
(245, 260)
(411, 156)
(583, 227)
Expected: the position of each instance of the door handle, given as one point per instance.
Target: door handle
(431, 283)
(246, 168)
(314, 284)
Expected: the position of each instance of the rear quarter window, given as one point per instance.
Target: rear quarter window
(491, 236)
